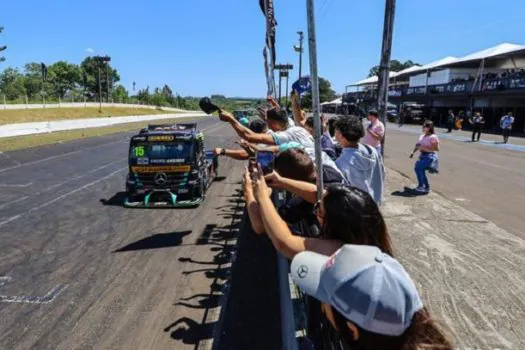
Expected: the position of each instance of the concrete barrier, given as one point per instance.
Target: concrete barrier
(83, 105)
(21, 129)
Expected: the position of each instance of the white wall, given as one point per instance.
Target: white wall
(81, 105)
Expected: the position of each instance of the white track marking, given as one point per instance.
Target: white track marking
(13, 218)
(17, 185)
(58, 156)
(13, 202)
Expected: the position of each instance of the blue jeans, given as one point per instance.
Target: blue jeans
(421, 167)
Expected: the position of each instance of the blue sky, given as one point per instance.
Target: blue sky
(202, 47)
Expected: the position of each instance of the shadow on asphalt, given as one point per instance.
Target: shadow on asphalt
(117, 200)
(159, 240)
(247, 291)
(218, 239)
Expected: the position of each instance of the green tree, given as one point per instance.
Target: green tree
(326, 93)
(120, 94)
(64, 77)
(90, 67)
(32, 79)
(2, 48)
(395, 66)
(12, 83)
(167, 93)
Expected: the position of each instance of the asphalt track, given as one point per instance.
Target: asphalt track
(78, 271)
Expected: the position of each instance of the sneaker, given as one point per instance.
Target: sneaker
(422, 189)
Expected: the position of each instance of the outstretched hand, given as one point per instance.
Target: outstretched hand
(247, 183)
(226, 116)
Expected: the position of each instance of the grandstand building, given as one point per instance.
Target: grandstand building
(491, 81)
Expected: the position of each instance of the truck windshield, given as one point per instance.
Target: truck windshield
(181, 151)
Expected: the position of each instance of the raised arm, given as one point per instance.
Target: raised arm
(244, 132)
(297, 113)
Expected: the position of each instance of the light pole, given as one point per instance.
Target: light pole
(299, 49)
(100, 61)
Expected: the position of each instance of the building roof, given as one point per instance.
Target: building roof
(501, 50)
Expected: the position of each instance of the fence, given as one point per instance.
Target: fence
(303, 325)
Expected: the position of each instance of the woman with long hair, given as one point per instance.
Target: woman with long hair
(369, 298)
(347, 215)
(428, 160)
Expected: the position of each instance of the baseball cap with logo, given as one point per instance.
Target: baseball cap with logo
(367, 286)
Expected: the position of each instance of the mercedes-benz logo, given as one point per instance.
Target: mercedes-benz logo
(302, 271)
(160, 178)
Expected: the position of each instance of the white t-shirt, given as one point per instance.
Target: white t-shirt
(294, 134)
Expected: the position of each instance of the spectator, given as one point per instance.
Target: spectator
(295, 164)
(346, 215)
(450, 121)
(374, 132)
(428, 146)
(369, 298)
(360, 164)
(477, 126)
(506, 126)
(327, 145)
(277, 121)
(257, 126)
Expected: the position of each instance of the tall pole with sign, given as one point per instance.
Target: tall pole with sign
(312, 48)
(384, 66)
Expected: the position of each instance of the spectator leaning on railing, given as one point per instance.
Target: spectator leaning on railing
(361, 165)
(278, 122)
(368, 298)
(295, 164)
(257, 126)
(346, 215)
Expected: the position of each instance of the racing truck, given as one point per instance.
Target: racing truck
(169, 167)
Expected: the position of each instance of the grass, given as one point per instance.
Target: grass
(21, 142)
(45, 114)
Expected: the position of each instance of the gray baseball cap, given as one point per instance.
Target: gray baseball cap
(367, 286)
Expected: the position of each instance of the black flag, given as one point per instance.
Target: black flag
(44, 71)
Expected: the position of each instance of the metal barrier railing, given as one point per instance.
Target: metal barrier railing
(303, 325)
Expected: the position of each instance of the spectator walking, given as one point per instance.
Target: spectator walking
(451, 119)
(506, 126)
(360, 164)
(477, 122)
(428, 146)
(369, 298)
(374, 132)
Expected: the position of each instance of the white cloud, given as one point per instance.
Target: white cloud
(90, 50)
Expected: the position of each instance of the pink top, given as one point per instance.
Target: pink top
(428, 141)
(378, 128)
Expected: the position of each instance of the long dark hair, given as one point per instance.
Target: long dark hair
(423, 333)
(352, 216)
(430, 125)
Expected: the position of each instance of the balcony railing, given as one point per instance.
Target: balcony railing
(457, 87)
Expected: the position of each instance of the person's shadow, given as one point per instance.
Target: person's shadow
(407, 192)
(189, 331)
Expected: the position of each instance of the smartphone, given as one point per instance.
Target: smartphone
(265, 158)
(252, 164)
